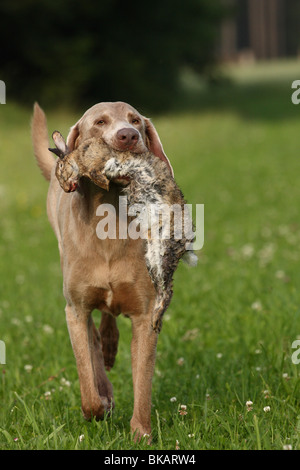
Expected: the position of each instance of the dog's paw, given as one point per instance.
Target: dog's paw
(112, 168)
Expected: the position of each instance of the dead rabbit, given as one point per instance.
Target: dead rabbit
(153, 196)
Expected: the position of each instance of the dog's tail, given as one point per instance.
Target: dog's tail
(39, 133)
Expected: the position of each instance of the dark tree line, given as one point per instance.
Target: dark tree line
(81, 52)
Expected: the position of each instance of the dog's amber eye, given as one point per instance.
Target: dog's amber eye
(135, 121)
(100, 122)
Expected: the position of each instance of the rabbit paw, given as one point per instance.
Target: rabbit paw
(112, 168)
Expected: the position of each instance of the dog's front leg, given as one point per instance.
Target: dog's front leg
(81, 330)
(143, 353)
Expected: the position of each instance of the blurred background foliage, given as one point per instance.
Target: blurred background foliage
(78, 53)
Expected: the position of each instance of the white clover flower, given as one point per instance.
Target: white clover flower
(256, 305)
(182, 410)
(48, 329)
(173, 399)
(247, 251)
(180, 361)
(28, 367)
(267, 409)
(20, 278)
(280, 274)
(65, 382)
(266, 254)
(249, 404)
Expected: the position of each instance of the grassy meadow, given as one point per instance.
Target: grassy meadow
(226, 345)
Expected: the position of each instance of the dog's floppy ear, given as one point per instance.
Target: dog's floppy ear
(154, 144)
(73, 139)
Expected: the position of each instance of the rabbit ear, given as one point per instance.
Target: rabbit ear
(154, 144)
(57, 152)
(61, 149)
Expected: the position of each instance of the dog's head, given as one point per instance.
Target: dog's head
(121, 127)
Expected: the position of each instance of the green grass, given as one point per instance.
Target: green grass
(228, 333)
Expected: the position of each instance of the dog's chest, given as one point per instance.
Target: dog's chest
(113, 284)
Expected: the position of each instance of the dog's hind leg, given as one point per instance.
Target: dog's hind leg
(103, 384)
(109, 336)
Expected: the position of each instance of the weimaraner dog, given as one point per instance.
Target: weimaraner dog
(105, 274)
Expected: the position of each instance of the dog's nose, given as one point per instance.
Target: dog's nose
(127, 137)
